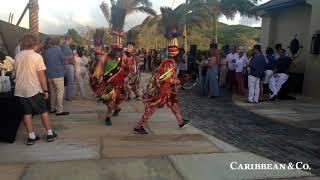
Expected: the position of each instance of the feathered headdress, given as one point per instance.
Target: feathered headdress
(170, 27)
(119, 10)
(118, 16)
(98, 37)
(132, 37)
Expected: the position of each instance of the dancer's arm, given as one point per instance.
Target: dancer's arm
(99, 70)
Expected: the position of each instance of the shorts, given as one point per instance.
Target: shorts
(34, 105)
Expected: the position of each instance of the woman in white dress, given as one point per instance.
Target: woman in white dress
(81, 72)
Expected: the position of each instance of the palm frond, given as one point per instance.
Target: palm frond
(170, 21)
(239, 6)
(113, 2)
(118, 16)
(145, 3)
(132, 36)
(99, 36)
(135, 5)
(230, 8)
(145, 9)
(106, 11)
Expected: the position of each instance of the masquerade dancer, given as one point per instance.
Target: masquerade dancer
(161, 89)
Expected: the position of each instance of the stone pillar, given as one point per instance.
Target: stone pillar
(266, 33)
(311, 87)
(34, 17)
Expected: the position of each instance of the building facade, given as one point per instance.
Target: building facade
(285, 20)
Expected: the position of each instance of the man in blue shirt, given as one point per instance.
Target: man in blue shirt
(69, 66)
(54, 60)
(268, 69)
(257, 65)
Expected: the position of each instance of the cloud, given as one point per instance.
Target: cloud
(250, 21)
(56, 16)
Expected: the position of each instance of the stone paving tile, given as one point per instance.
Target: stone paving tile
(225, 147)
(295, 112)
(302, 178)
(239, 127)
(151, 145)
(119, 128)
(11, 171)
(217, 166)
(113, 169)
(59, 150)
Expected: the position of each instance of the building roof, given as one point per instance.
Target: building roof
(10, 36)
(276, 4)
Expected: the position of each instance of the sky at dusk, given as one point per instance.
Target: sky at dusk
(56, 16)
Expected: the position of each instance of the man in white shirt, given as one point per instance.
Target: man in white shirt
(239, 65)
(31, 88)
(231, 59)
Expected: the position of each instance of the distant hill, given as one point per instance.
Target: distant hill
(237, 35)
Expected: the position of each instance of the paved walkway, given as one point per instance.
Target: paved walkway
(303, 112)
(242, 125)
(88, 150)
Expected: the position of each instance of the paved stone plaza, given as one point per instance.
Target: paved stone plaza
(279, 130)
(89, 150)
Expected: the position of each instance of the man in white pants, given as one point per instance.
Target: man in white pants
(281, 68)
(256, 72)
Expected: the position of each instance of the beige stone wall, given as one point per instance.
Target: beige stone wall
(285, 24)
(312, 73)
(281, 26)
(265, 31)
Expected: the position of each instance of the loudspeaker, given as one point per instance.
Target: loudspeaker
(193, 50)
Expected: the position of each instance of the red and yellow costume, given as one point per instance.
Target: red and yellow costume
(134, 77)
(107, 81)
(161, 91)
(107, 75)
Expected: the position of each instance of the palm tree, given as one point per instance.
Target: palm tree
(229, 8)
(187, 14)
(117, 13)
(34, 17)
(149, 22)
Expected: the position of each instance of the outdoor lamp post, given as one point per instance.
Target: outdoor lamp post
(185, 44)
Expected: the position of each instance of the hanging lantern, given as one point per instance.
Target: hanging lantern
(315, 43)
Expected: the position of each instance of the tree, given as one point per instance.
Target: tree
(229, 8)
(188, 14)
(118, 11)
(75, 36)
(34, 17)
(86, 32)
